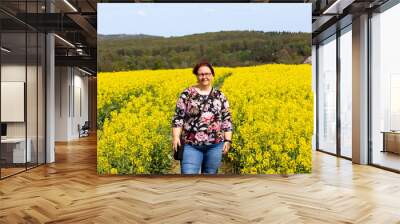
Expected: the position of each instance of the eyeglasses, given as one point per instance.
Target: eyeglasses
(205, 74)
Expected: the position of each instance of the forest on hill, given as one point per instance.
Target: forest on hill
(123, 52)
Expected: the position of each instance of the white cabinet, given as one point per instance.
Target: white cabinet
(18, 146)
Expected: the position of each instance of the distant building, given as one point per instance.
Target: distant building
(307, 60)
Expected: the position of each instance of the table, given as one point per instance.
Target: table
(16, 147)
(391, 141)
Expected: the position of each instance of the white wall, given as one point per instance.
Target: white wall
(80, 100)
(62, 81)
(33, 126)
(14, 72)
(71, 87)
(11, 73)
(13, 101)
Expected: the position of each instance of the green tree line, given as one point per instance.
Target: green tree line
(225, 48)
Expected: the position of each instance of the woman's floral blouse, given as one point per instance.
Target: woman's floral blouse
(203, 123)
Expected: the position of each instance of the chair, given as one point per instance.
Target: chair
(84, 130)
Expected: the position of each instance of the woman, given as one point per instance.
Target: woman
(202, 114)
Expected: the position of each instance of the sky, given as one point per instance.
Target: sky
(178, 19)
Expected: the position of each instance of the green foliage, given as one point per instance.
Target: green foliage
(225, 48)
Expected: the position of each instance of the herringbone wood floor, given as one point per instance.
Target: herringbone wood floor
(69, 191)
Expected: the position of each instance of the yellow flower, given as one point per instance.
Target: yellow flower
(271, 106)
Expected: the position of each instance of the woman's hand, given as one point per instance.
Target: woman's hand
(227, 146)
(175, 143)
(228, 140)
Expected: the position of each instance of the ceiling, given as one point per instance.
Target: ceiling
(73, 21)
(328, 15)
(202, 1)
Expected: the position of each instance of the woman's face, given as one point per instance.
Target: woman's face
(204, 76)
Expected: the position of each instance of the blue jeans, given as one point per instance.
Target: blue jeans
(207, 158)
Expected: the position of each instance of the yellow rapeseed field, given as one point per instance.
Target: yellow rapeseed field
(271, 105)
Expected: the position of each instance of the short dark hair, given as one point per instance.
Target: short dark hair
(201, 64)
